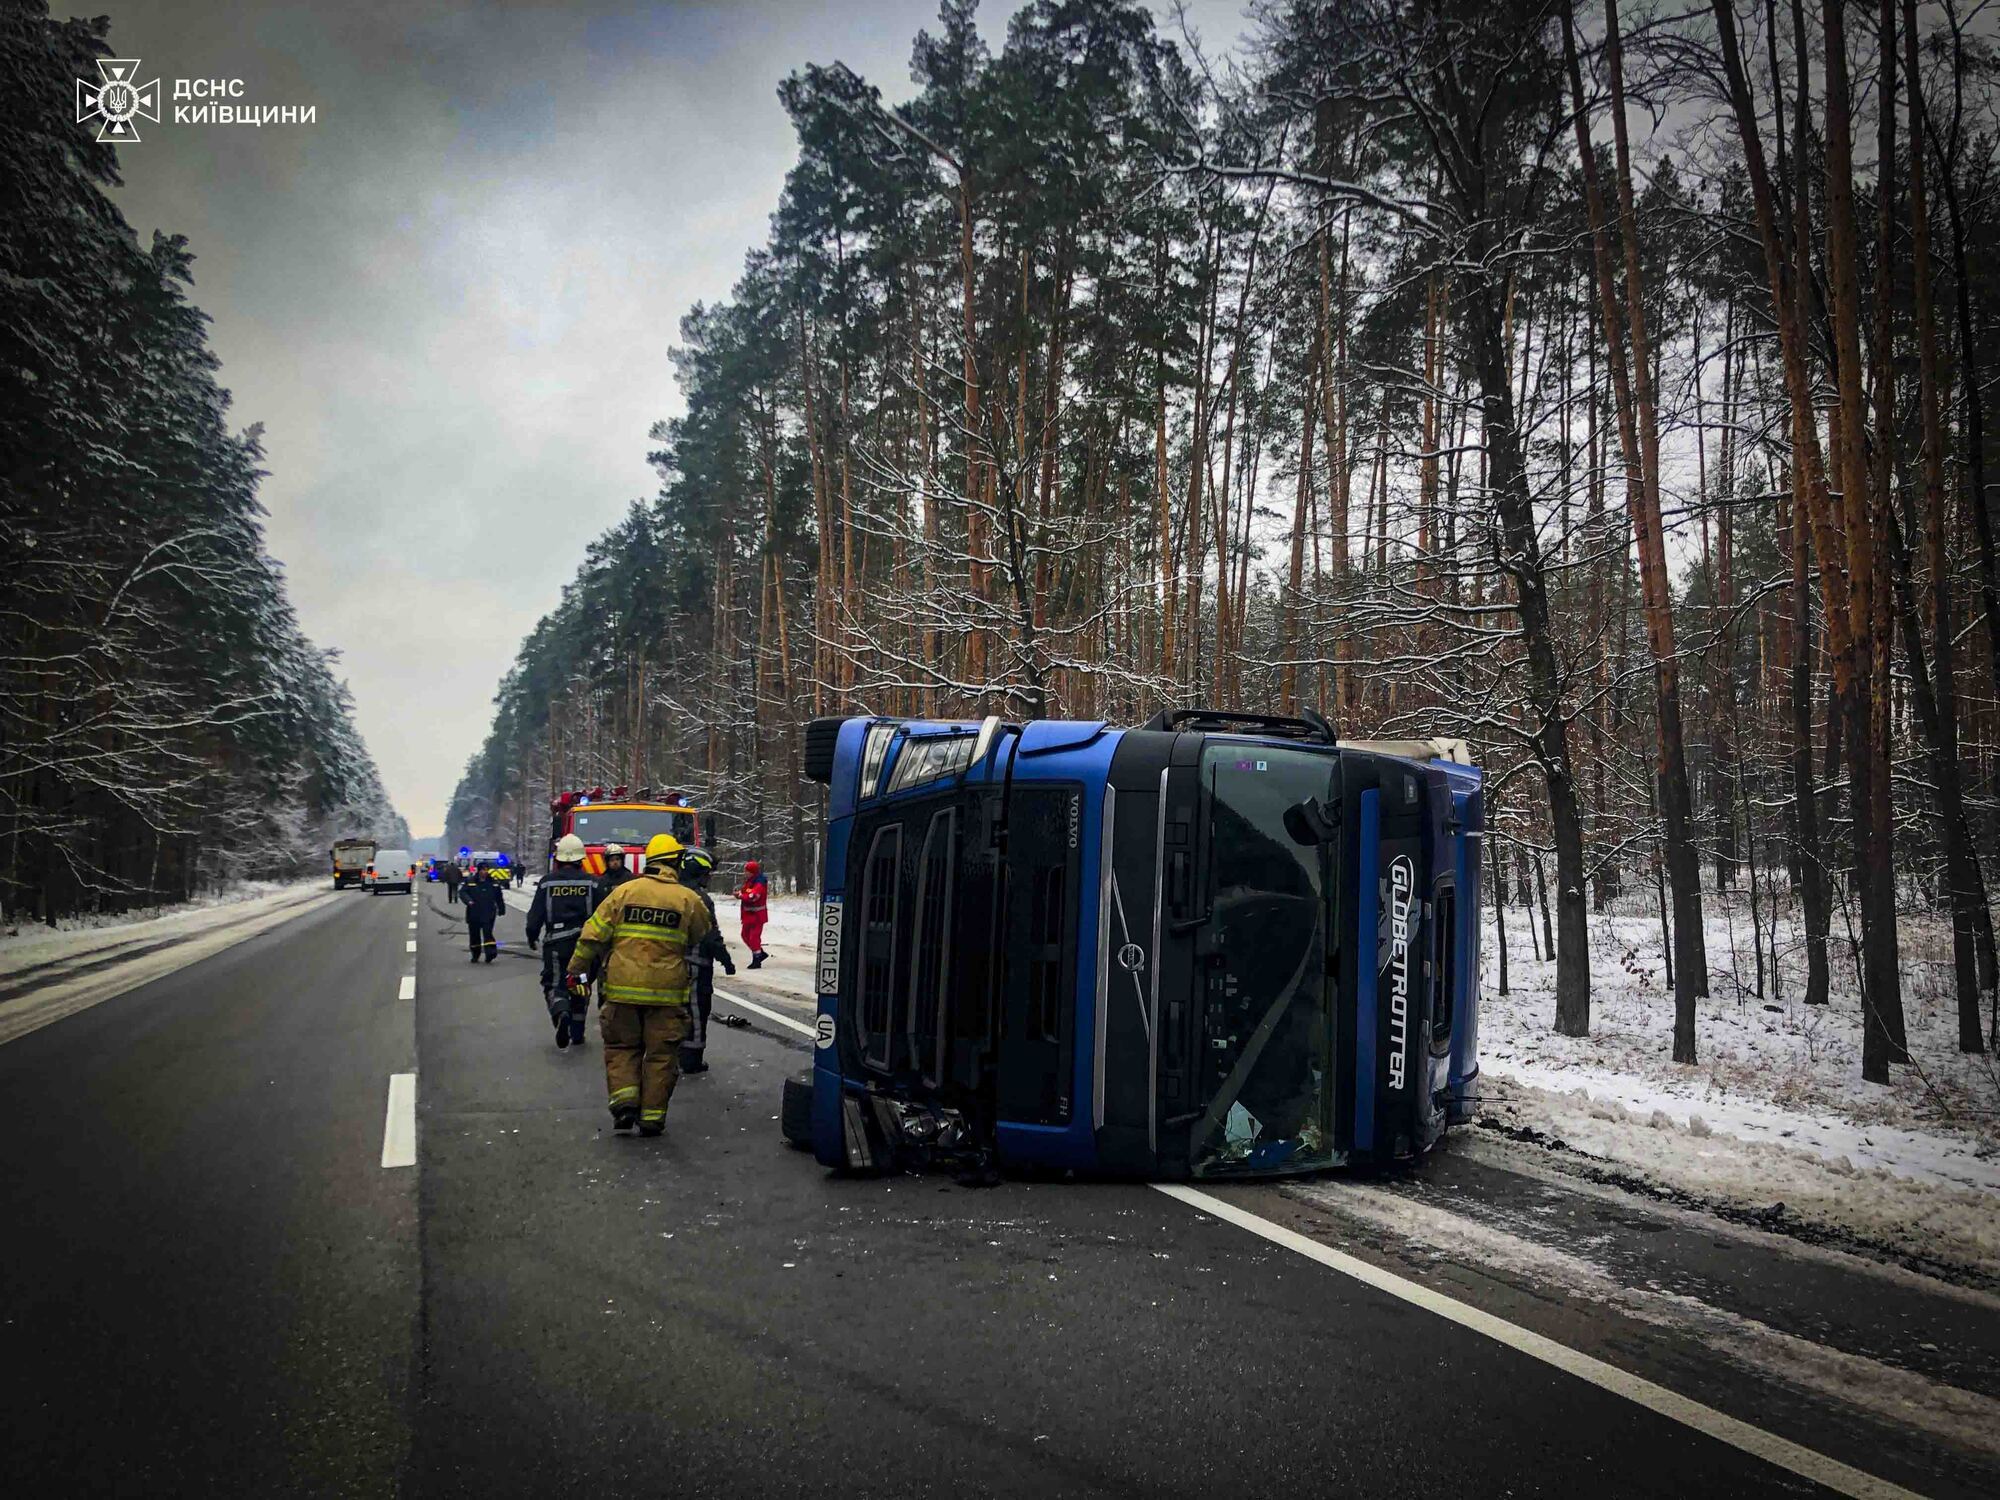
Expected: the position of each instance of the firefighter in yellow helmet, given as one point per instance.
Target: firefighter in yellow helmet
(644, 930)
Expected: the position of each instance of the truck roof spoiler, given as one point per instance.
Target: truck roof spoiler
(1308, 725)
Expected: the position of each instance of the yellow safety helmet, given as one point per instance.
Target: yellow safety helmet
(663, 847)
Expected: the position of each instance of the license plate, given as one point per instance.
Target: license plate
(829, 945)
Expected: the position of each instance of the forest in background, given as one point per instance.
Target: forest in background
(1612, 386)
(165, 726)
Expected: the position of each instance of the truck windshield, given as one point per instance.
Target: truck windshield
(630, 825)
(1267, 1040)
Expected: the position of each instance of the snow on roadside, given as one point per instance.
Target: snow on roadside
(29, 945)
(1775, 1111)
(1918, 1220)
(793, 921)
(1769, 1070)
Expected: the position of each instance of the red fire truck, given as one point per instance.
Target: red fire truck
(603, 818)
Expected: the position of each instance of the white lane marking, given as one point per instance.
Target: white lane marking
(409, 988)
(413, 927)
(399, 1128)
(1830, 1472)
(770, 1015)
(410, 945)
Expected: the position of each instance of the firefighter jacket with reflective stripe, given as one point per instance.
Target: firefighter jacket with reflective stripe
(647, 927)
(563, 903)
(482, 897)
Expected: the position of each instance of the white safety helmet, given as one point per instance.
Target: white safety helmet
(569, 849)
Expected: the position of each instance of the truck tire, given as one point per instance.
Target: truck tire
(818, 750)
(796, 1117)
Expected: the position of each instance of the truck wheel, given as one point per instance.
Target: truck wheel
(796, 1117)
(817, 757)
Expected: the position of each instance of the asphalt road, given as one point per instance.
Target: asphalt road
(214, 1284)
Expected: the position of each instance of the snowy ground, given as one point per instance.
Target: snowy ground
(1773, 1121)
(45, 976)
(27, 945)
(791, 937)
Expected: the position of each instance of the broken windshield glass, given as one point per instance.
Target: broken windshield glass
(1268, 1022)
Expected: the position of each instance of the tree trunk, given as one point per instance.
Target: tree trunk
(1639, 432)
(1867, 708)
(1968, 894)
(1548, 735)
(1813, 892)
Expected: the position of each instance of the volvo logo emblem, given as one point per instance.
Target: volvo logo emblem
(1132, 958)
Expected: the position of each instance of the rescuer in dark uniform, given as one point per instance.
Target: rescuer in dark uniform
(452, 876)
(563, 903)
(483, 903)
(696, 867)
(615, 874)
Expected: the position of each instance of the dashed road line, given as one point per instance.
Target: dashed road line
(399, 1126)
(408, 990)
(1785, 1454)
(410, 946)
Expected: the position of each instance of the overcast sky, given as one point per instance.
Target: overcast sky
(450, 300)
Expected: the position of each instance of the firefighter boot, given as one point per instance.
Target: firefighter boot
(558, 1004)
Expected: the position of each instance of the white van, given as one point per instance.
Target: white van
(393, 870)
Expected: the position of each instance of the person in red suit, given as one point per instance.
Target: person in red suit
(754, 896)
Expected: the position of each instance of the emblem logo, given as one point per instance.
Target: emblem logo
(117, 99)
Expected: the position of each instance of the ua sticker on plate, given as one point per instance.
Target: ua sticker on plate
(823, 1033)
(829, 945)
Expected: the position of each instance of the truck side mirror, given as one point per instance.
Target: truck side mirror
(1309, 823)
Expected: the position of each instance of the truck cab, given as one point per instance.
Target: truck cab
(1212, 945)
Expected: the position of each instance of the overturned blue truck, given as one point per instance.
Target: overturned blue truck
(1214, 945)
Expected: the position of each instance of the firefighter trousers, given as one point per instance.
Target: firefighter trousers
(698, 1013)
(564, 1008)
(480, 935)
(642, 1059)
